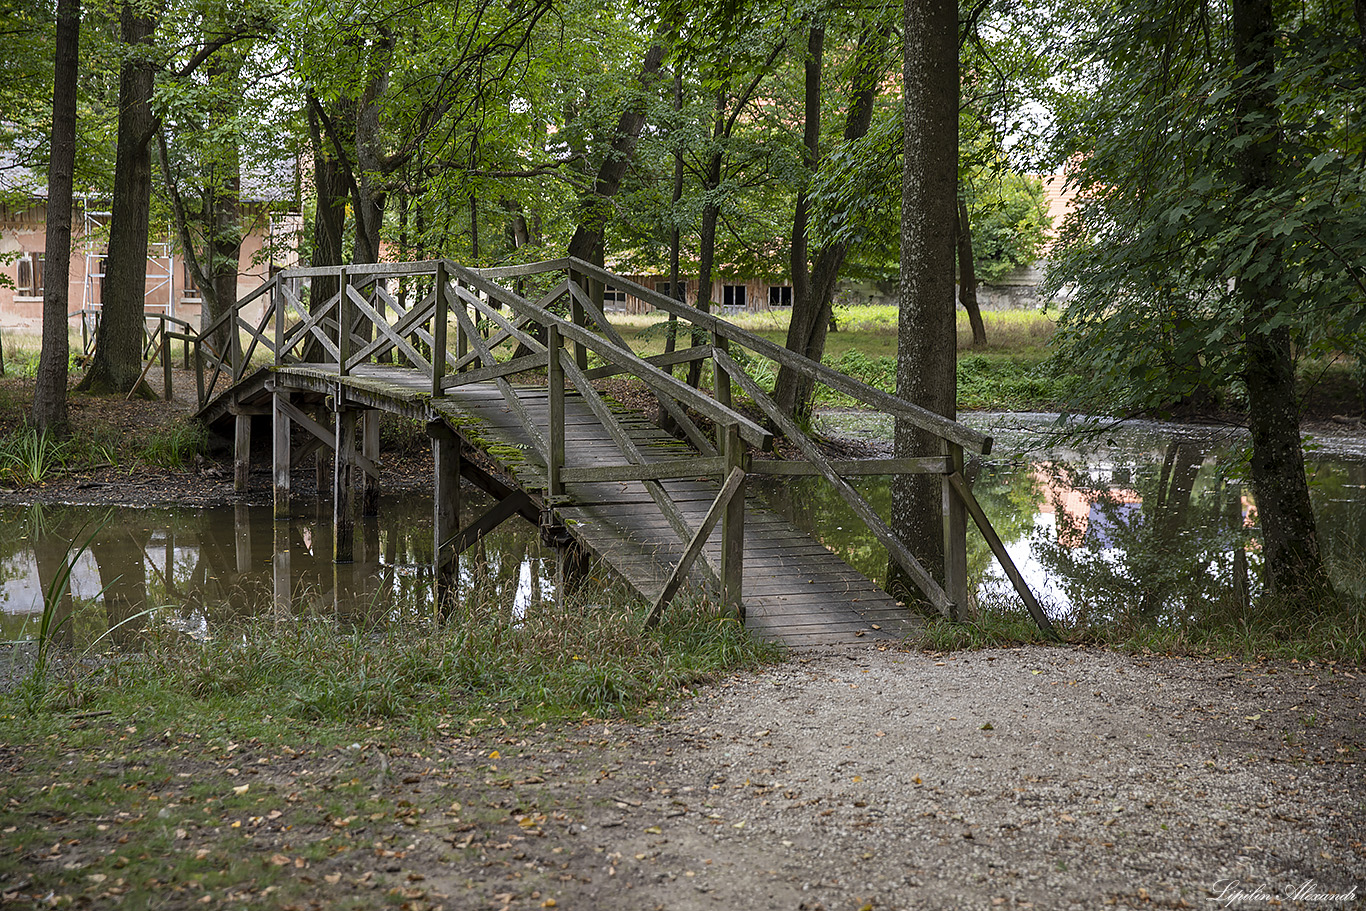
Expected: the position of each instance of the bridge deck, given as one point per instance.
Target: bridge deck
(794, 589)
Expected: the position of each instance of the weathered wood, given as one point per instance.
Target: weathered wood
(658, 380)
(628, 449)
(484, 374)
(853, 468)
(675, 411)
(920, 417)
(955, 538)
(734, 483)
(445, 508)
(322, 432)
(895, 548)
(733, 524)
(555, 380)
(281, 427)
(998, 548)
(655, 471)
(669, 359)
(344, 321)
(241, 453)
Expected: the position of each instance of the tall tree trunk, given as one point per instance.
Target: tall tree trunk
(118, 349)
(49, 393)
(676, 291)
(1293, 563)
(926, 336)
(329, 220)
(967, 277)
(224, 215)
(813, 287)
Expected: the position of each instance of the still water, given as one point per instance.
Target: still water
(1148, 518)
(203, 568)
(1151, 518)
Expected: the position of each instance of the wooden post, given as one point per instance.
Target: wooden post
(555, 376)
(343, 490)
(165, 366)
(369, 501)
(344, 320)
(277, 303)
(733, 526)
(241, 452)
(720, 383)
(280, 463)
(446, 511)
(235, 346)
(955, 538)
(577, 317)
(439, 323)
(462, 342)
(199, 370)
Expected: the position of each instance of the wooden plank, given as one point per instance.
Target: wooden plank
(854, 468)
(280, 462)
(673, 468)
(734, 484)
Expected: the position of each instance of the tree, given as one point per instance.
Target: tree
(1221, 227)
(813, 285)
(118, 349)
(49, 393)
(926, 332)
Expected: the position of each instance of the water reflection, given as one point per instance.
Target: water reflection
(204, 568)
(1151, 522)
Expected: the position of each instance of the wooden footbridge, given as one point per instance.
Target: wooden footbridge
(509, 389)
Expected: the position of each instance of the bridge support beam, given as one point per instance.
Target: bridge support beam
(241, 452)
(955, 538)
(343, 488)
(445, 511)
(733, 521)
(281, 426)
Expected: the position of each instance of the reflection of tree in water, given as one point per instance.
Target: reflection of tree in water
(1155, 543)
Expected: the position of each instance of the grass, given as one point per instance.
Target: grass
(560, 660)
(1267, 629)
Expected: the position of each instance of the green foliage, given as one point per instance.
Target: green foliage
(175, 446)
(1009, 219)
(30, 457)
(1165, 235)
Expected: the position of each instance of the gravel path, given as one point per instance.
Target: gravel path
(1045, 778)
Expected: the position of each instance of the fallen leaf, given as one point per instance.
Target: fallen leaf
(241, 789)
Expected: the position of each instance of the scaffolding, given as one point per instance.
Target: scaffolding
(161, 271)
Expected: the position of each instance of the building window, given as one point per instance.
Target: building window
(189, 288)
(30, 282)
(666, 289)
(780, 295)
(613, 298)
(733, 297)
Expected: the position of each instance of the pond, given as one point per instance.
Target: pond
(1148, 518)
(203, 568)
(1154, 519)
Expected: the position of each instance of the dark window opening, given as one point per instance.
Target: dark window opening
(780, 295)
(733, 297)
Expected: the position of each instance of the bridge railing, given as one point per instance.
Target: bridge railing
(498, 334)
(955, 439)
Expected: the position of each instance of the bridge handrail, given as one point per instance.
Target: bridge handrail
(855, 389)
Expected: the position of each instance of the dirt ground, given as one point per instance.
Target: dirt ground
(1021, 778)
